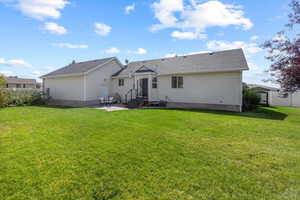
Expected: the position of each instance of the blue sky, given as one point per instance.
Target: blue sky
(38, 36)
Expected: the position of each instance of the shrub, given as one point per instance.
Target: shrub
(251, 99)
(4, 98)
(20, 98)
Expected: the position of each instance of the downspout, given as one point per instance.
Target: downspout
(241, 92)
(84, 87)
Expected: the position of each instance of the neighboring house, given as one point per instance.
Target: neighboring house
(208, 80)
(264, 92)
(274, 97)
(14, 82)
(278, 98)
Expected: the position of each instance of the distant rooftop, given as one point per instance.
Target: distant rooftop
(17, 80)
(263, 87)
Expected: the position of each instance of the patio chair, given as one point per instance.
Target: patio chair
(102, 100)
(110, 100)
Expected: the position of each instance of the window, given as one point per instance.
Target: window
(154, 82)
(24, 85)
(121, 82)
(177, 82)
(6, 85)
(18, 86)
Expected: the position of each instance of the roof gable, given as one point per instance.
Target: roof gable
(81, 67)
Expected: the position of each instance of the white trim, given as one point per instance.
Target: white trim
(241, 91)
(186, 73)
(144, 73)
(84, 87)
(62, 75)
(95, 68)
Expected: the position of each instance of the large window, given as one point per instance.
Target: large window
(121, 82)
(177, 82)
(154, 82)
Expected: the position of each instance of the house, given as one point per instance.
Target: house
(279, 98)
(207, 80)
(275, 97)
(14, 82)
(264, 92)
(83, 83)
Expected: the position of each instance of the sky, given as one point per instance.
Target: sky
(39, 36)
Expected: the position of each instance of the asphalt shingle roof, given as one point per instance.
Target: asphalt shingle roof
(15, 80)
(229, 60)
(79, 68)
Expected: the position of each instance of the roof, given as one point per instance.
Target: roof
(262, 87)
(80, 68)
(229, 60)
(16, 80)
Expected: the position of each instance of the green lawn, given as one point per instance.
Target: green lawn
(81, 153)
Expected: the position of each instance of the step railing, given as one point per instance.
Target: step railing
(132, 93)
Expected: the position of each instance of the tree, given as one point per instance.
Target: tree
(2, 80)
(284, 53)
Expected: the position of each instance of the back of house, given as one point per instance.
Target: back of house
(207, 80)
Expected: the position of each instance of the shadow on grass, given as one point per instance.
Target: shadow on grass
(260, 112)
(56, 106)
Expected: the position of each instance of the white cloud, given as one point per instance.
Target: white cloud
(70, 46)
(7, 73)
(15, 63)
(49, 68)
(188, 35)
(36, 73)
(102, 29)
(165, 12)
(129, 9)
(40, 9)
(139, 51)
(54, 28)
(197, 17)
(249, 48)
(254, 37)
(170, 55)
(253, 66)
(279, 38)
(112, 50)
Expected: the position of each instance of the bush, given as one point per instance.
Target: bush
(251, 99)
(20, 98)
(4, 98)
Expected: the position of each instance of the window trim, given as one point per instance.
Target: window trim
(177, 82)
(121, 82)
(154, 83)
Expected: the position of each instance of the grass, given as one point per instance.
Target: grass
(81, 153)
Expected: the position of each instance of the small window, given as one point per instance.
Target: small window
(121, 82)
(6, 85)
(24, 85)
(177, 82)
(154, 82)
